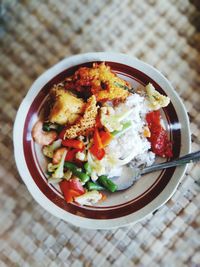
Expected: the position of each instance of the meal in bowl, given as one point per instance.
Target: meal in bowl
(93, 123)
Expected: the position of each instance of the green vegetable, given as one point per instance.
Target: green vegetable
(94, 186)
(57, 169)
(70, 166)
(125, 126)
(46, 127)
(81, 175)
(49, 150)
(75, 170)
(107, 183)
(49, 126)
(87, 168)
(48, 173)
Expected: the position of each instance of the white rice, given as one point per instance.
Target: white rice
(132, 141)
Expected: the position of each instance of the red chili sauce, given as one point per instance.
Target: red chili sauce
(160, 143)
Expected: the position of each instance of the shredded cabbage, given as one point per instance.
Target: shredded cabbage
(112, 122)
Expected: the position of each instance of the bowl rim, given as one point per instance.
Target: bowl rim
(162, 198)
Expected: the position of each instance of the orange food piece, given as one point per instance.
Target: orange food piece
(146, 132)
(97, 139)
(97, 148)
(106, 138)
(73, 143)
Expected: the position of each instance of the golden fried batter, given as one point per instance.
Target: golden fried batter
(101, 82)
(66, 107)
(86, 122)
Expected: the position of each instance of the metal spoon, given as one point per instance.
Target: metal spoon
(131, 174)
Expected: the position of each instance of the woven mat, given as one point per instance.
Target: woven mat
(36, 35)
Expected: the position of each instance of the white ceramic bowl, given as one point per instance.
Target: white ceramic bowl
(121, 208)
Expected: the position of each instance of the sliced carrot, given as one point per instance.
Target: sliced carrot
(106, 138)
(97, 139)
(104, 197)
(97, 147)
(99, 153)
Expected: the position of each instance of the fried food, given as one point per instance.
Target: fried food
(66, 107)
(85, 122)
(101, 82)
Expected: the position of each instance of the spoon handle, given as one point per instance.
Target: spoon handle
(181, 161)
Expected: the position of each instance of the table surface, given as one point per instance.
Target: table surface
(35, 36)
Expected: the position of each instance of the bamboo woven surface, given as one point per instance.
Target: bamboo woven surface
(34, 35)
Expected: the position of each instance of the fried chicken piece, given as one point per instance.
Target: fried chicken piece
(65, 108)
(101, 82)
(86, 122)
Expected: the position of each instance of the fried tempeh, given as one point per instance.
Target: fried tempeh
(85, 122)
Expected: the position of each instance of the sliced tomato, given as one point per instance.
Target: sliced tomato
(71, 189)
(64, 186)
(73, 143)
(71, 154)
(76, 185)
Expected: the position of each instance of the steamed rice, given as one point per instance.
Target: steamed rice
(132, 141)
